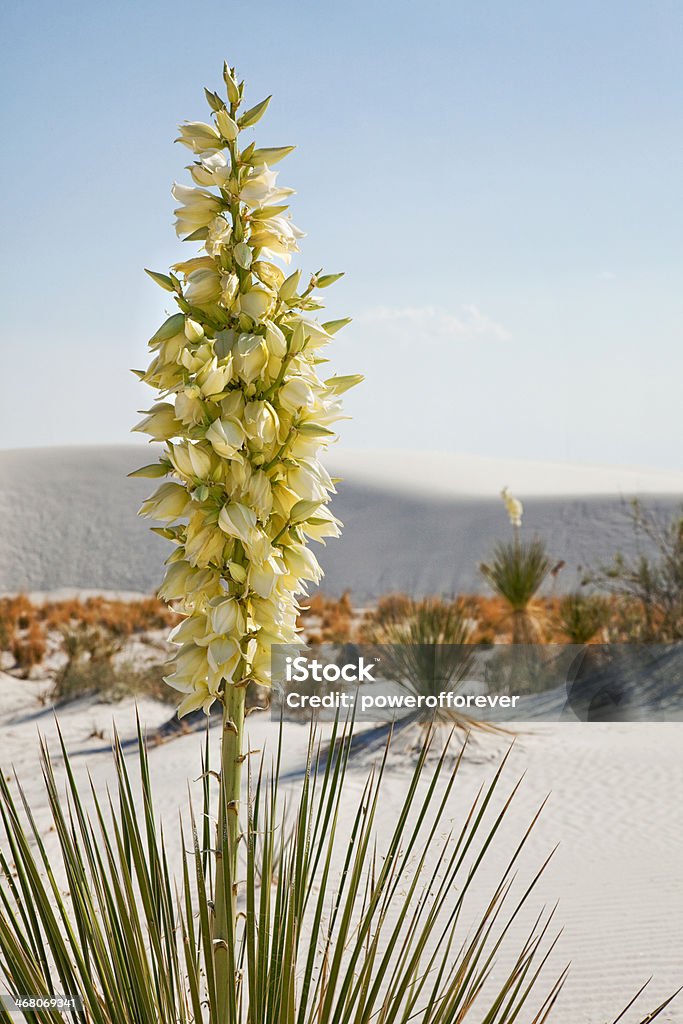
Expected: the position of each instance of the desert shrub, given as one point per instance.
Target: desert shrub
(92, 668)
(16, 615)
(121, 618)
(648, 586)
(7, 630)
(111, 682)
(327, 619)
(89, 667)
(30, 647)
(391, 608)
(582, 616)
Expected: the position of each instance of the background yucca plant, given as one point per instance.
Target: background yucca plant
(332, 923)
(516, 572)
(582, 616)
(426, 646)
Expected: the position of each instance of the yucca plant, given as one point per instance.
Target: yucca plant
(516, 573)
(582, 616)
(244, 415)
(334, 919)
(426, 646)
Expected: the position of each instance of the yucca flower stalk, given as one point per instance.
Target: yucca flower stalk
(244, 415)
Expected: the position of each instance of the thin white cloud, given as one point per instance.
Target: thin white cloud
(469, 323)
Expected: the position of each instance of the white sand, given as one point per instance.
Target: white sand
(420, 522)
(615, 808)
(451, 474)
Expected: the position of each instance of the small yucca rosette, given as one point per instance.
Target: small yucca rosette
(242, 411)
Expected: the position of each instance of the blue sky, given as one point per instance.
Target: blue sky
(501, 182)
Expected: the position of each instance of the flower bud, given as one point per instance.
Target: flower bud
(290, 285)
(275, 340)
(226, 126)
(242, 255)
(270, 155)
(231, 85)
(166, 504)
(160, 423)
(193, 331)
(256, 302)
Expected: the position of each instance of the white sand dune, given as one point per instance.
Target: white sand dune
(614, 808)
(449, 474)
(418, 522)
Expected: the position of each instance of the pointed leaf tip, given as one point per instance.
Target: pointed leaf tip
(163, 280)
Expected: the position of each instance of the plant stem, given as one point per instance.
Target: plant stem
(225, 902)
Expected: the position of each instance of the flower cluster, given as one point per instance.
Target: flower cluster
(513, 507)
(242, 411)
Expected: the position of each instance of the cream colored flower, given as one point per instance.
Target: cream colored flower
(213, 168)
(224, 656)
(226, 436)
(296, 394)
(160, 422)
(198, 136)
(261, 423)
(189, 408)
(256, 302)
(243, 413)
(199, 208)
(513, 506)
(229, 287)
(278, 236)
(203, 286)
(227, 617)
(169, 502)
(260, 190)
(237, 520)
(250, 355)
(193, 331)
(212, 378)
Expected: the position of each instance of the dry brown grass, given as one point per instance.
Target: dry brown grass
(122, 618)
(25, 625)
(328, 619)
